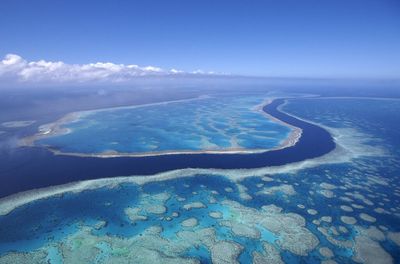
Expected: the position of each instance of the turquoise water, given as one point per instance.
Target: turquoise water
(94, 226)
(221, 123)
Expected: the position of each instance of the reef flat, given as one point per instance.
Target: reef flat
(213, 125)
(192, 219)
(342, 207)
(305, 148)
(17, 124)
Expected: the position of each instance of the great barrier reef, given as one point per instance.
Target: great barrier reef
(240, 178)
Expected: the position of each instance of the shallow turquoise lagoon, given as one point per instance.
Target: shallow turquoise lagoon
(343, 209)
(205, 124)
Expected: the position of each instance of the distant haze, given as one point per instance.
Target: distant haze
(66, 40)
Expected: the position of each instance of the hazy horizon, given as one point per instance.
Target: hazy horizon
(307, 39)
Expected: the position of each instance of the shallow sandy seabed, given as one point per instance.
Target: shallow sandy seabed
(17, 124)
(327, 186)
(367, 248)
(327, 219)
(270, 255)
(326, 252)
(239, 229)
(395, 237)
(83, 247)
(243, 192)
(367, 218)
(348, 220)
(288, 229)
(349, 145)
(312, 211)
(333, 240)
(329, 261)
(194, 205)
(215, 214)
(134, 214)
(327, 193)
(346, 208)
(58, 129)
(284, 188)
(190, 222)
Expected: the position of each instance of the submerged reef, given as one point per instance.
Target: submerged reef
(340, 208)
(214, 125)
(269, 225)
(18, 124)
(173, 222)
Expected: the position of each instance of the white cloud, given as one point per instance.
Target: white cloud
(11, 59)
(15, 68)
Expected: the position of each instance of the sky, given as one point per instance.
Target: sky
(285, 38)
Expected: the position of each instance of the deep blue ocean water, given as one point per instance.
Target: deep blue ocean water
(367, 181)
(18, 166)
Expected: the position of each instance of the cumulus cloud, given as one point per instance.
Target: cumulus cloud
(14, 68)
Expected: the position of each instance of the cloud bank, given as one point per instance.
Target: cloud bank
(15, 69)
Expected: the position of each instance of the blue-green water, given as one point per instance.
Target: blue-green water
(362, 180)
(221, 123)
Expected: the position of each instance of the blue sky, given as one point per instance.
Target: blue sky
(321, 38)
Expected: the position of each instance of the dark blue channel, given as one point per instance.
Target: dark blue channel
(34, 167)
